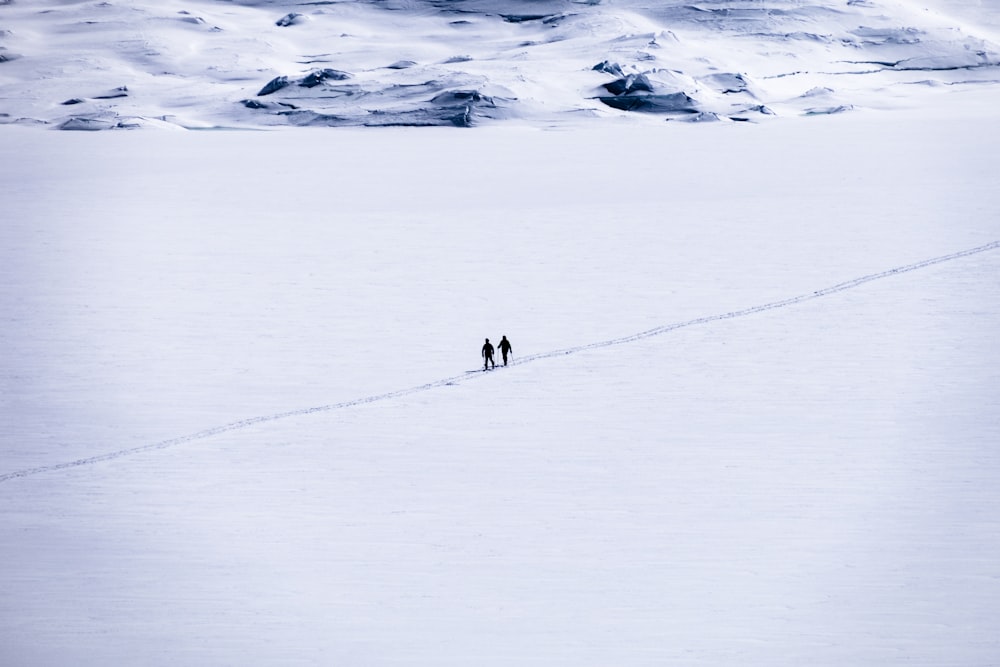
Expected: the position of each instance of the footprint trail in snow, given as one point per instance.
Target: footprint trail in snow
(464, 377)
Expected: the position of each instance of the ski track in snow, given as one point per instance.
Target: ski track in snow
(465, 376)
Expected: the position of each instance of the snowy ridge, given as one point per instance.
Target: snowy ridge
(217, 63)
(458, 379)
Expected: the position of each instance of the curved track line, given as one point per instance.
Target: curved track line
(253, 421)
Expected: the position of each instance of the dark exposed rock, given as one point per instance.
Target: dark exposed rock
(75, 100)
(462, 97)
(413, 118)
(274, 85)
(289, 19)
(654, 91)
(729, 83)
(554, 20)
(614, 69)
(758, 108)
(547, 19)
(305, 117)
(630, 84)
(829, 111)
(88, 124)
(121, 91)
(319, 76)
(428, 103)
(653, 103)
(462, 107)
(524, 18)
(705, 117)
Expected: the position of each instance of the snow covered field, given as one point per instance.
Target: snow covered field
(752, 416)
(813, 483)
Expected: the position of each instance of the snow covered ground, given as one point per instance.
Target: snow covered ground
(752, 416)
(812, 483)
(87, 65)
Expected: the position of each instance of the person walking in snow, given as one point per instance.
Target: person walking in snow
(504, 349)
(488, 355)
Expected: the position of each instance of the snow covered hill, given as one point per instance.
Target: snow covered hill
(243, 63)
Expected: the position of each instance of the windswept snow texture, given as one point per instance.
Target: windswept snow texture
(222, 63)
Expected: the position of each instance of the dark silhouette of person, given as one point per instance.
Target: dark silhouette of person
(505, 348)
(488, 355)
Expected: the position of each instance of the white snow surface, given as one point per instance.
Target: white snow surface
(752, 415)
(244, 421)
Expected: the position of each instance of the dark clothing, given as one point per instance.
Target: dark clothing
(505, 349)
(488, 355)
